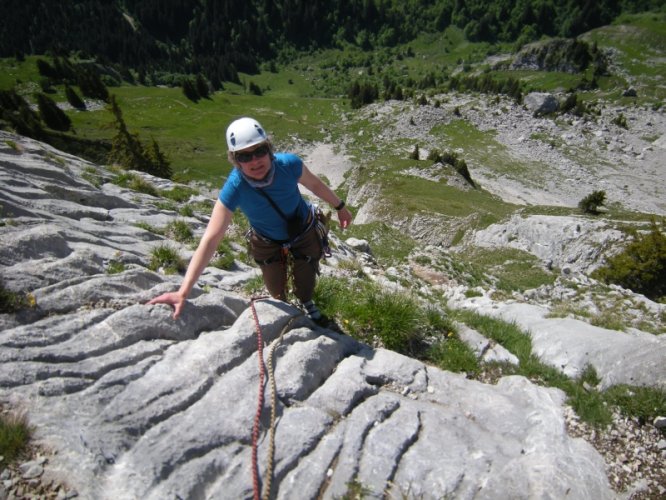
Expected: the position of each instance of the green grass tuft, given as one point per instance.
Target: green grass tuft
(224, 257)
(14, 435)
(167, 258)
(136, 183)
(370, 313)
(180, 231)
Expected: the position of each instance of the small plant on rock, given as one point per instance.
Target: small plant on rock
(224, 257)
(135, 183)
(166, 258)
(179, 230)
(621, 121)
(11, 302)
(14, 435)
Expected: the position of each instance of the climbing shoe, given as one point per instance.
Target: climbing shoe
(312, 310)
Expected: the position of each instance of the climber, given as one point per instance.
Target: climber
(264, 185)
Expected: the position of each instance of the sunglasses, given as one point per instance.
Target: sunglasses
(247, 156)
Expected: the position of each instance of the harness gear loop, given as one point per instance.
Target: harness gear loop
(260, 404)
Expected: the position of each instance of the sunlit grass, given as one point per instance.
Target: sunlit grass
(377, 316)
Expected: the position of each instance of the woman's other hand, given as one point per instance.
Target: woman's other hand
(345, 217)
(174, 299)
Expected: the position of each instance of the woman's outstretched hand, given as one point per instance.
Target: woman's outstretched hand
(174, 299)
(345, 217)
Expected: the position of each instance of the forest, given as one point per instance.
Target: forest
(219, 38)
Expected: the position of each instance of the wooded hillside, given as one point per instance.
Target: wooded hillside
(222, 37)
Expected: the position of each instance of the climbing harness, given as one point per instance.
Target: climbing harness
(260, 404)
(285, 252)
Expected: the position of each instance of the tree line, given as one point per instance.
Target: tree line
(219, 38)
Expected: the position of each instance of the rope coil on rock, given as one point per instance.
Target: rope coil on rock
(260, 404)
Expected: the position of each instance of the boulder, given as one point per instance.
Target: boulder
(541, 103)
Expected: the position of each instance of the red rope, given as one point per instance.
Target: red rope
(284, 254)
(260, 404)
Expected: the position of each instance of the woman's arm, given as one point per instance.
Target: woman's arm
(325, 193)
(215, 231)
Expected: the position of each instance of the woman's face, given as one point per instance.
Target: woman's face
(254, 161)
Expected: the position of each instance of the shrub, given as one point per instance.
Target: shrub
(452, 159)
(167, 258)
(128, 151)
(362, 93)
(621, 121)
(255, 89)
(91, 85)
(641, 267)
(591, 203)
(202, 86)
(15, 110)
(157, 162)
(190, 90)
(14, 301)
(569, 103)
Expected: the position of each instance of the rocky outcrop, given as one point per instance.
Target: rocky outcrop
(143, 407)
(570, 243)
(140, 406)
(137, 405)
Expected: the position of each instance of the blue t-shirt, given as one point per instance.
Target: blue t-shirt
(284, 191)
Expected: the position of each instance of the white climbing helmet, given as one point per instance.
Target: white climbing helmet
(243, 133)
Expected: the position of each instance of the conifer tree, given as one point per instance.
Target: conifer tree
(202, 87)
(15, 110)
(73, 98)
(91, 85)
(160, 166)
(46, 70)
(128, 151)
(52, 115)
(189, 90)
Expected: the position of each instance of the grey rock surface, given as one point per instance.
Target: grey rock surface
(575, 243)
(541, 103)
(138, 405)
(144, 407)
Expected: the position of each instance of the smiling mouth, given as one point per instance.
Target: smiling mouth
(258, 172)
